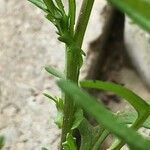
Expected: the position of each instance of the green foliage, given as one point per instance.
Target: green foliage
(69, 144)
(130, 117)
(104, 117)
(60, 107)
(138, 10)
(40, 4)
(78, 118)
(100, 140)
(137, 102)
(87, 135)
(53, 71)
(2, 142)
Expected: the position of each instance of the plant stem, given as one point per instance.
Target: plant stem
(72, 68)
(71, 74)
(100, 140)
(83, 21)
(72, 15)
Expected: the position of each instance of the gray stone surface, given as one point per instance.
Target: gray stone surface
(27, 43)
(138, 46)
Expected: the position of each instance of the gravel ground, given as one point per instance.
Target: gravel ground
(27, 43)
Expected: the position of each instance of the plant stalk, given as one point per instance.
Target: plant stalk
(71, 68)
(83, 21)
(71, 74)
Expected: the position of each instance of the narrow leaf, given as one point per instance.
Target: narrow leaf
(59, 105)
(101, 140)
(86, 131)
(78, 117)
(50, 97)
(52, 8)
(60, 5)
(130, 117)
(69, 144)
(54, 72)
(50, 5)
(40, 4)
(103, 116)
(59, 119)
(136, 101)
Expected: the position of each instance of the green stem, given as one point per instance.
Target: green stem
(72, 15)
(72, 68)
(71, 74)
(101, 139)
(83, 21)
(97, 134)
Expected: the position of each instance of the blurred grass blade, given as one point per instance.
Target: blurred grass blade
(103, 116)
(137, 102)
(40, 4)
(53, 71)
(138, 10)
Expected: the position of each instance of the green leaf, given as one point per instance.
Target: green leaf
(50, 17)
(130, 117)
(60, 106)
(98, 131)
(50, 5)
(59, 119)
(50, 97)
(40, 4)
(103, 116)
(137, 102)
(53, 9)
(2, 142)
(101, 140)
(69, 144)
(78, 117)
(54, 72)
(86, 131)
(60, 5)
(138, 10)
